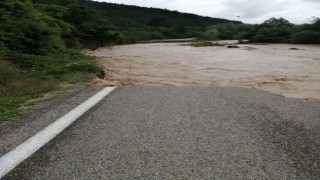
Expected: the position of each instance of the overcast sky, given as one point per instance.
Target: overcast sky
(250, 11)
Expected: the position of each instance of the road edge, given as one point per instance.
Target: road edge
(13, 158)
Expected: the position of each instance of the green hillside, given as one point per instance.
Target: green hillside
(128, 24)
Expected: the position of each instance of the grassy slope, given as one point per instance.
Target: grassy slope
(17, 85)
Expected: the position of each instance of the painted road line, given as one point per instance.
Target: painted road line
(13, 158)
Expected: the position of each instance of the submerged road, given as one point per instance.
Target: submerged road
(185, 133)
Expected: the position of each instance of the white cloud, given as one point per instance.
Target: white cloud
(250, 11)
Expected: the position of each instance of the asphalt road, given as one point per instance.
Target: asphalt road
(185, 133)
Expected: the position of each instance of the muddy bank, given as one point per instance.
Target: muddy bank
(274, 67)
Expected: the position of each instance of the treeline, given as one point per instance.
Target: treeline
(282, 31)
(97, 23)
(273, 30)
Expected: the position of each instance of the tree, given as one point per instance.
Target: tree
(272, 30)
(306, 37)
(315, 26)
(274, 22)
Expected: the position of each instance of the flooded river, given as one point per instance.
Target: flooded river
(272, 67)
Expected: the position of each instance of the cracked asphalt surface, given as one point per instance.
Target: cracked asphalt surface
(185, 133)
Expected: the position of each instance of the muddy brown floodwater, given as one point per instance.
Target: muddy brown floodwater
(272, 67)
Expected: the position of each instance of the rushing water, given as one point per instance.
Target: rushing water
(272, 67)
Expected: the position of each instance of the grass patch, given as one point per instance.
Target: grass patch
(8, 108)
(25, 77)
(205, 44)
(88, 67)
(75, 77)
(16, 87)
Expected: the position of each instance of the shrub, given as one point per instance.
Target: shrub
(8, 72)
(89, 67)
(306, 37)
(205, 43)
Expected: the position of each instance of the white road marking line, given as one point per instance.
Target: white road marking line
(13, 158)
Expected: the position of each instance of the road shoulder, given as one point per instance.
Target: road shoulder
(37, 117)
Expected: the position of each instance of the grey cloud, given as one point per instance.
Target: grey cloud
(250, 11)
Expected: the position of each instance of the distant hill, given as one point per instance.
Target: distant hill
(120, 14)
(133, 22)
(135, 15)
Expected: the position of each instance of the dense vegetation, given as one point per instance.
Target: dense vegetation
(272, 30)
(41, 40)
(98, 23)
